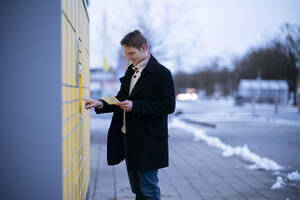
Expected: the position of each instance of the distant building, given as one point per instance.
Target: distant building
(106, 83)
(103, 83)
(268, 91)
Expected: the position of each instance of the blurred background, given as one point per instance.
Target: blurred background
(232, 49)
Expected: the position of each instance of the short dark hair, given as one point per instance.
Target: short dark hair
(134, 39)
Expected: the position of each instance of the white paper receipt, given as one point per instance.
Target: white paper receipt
(111, 100)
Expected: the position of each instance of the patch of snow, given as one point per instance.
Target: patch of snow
(259, 162)
(243, 152)
(285, 122)
(276, 173)
(237, 117)
(278, 184)
(294, 176)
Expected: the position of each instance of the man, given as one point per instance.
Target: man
(139, 127)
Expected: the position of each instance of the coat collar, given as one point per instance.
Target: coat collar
(142, 82)
(149, 67)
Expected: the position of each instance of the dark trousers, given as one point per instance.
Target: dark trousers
(144, 184)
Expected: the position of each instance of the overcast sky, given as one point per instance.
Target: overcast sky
(215, 28)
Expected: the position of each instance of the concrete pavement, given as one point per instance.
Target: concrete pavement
(196, 172)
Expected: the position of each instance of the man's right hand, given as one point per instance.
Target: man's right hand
(92, 103)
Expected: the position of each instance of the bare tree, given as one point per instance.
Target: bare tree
(162, 38)
(211, 78)
(291, 48)
(276, 60)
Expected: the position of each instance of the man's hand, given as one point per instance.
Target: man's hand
(92, 103)
(126, 105)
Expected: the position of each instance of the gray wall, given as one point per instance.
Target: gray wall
(30, 145)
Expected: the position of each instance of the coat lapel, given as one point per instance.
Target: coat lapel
(143, 80)
(146, 76)
(141, 83)
(125, 80)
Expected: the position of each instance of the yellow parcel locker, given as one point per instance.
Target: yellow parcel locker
(75, 131)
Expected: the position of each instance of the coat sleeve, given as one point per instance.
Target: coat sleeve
(106, 108)
(166, 103)
(109, 108)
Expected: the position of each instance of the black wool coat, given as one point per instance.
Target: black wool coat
(153, 99)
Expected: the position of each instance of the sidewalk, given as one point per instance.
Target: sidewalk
(196, 172)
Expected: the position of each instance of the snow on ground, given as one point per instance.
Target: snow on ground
(243, 152)
(183, 105)
(278, 184)
(294, 176)
(225, 111)
(237, 117)
(247, 155)
(282, 121)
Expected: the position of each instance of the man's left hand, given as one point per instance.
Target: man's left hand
(126, 105)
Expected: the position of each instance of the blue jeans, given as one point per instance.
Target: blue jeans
(144, 184)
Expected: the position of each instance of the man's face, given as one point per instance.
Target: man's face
(135, 55)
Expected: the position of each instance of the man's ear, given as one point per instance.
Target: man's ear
(144, 47)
